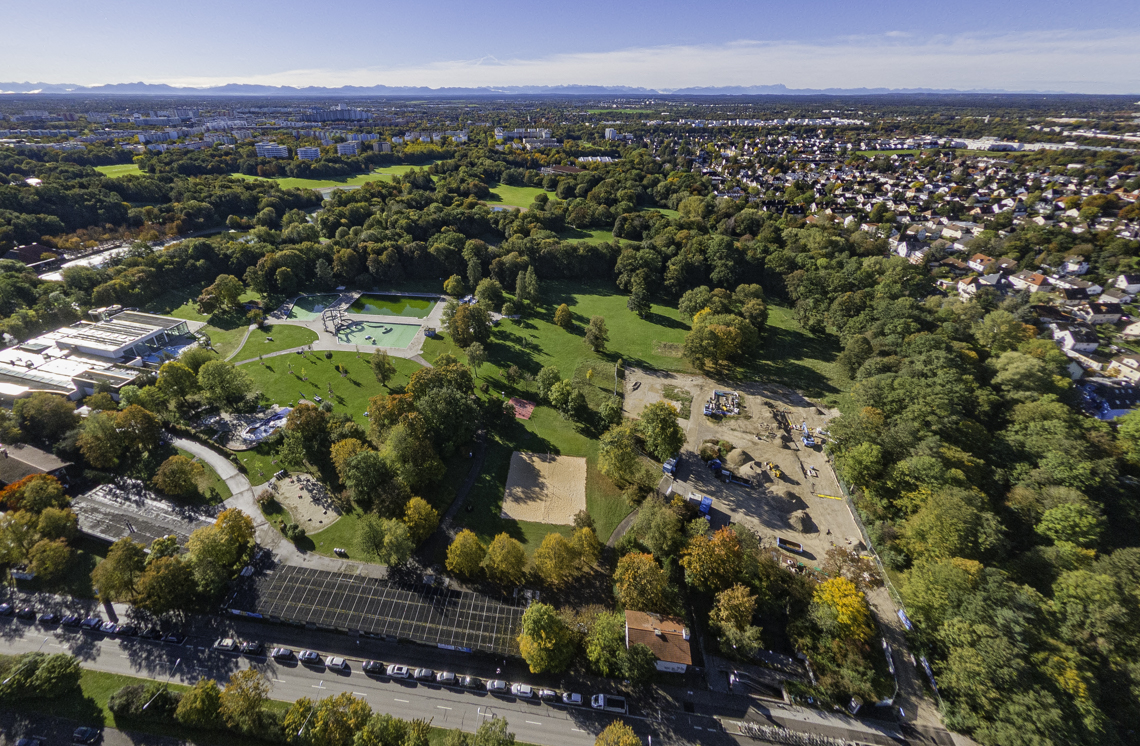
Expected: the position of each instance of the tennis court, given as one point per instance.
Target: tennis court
(428, 614)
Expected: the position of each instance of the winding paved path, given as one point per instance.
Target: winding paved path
(266, 535)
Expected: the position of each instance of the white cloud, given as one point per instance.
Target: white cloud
(1083, 62)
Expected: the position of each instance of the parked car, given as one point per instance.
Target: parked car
(174, 638)
(49, 617)
(471, 682)
(151, 633)
(83, 734)
(6, 610)
(108, 628)
(336, 663)
(522, 691)
(226, 645)
(497, 686)
(126, 630)
(373, 667)
(28, 614)
(281, 654)
(547, 695)
(572, 698)
(445, 677)
(91, 622)
(608, 703)
(31, 741)
(252, 647)
(424, 674)
(309, 658)
(71, 620)
(398, 672)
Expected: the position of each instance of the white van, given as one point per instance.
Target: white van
(608, 703)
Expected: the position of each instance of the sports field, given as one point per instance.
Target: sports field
(122, 169)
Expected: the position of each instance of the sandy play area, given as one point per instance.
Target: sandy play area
(542, 488)
(307, 501)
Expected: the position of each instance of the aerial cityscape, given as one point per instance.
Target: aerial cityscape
(598, 377)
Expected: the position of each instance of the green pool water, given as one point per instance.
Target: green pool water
(309, 307)
(392, 305)
(355, 334)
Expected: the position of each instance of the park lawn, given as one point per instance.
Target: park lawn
(285, 337)
(514, 196)
(121, 169)
(211, 482)
(384, 173)
(594, 235)
(259, 463)
(280, 380)
(671, 214)
(224, 329)
(799, 359)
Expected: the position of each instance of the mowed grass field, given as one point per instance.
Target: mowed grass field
(285, 336)
(121, 169)
(379, 174)
(515, 196)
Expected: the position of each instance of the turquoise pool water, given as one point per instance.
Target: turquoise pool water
(309, 307)
(392, 305)
(373, 334)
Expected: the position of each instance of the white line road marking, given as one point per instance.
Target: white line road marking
(577, 730)
(319, 686)
(201, 648)
(401, 700)
(360, 694)
(123, 656)
(533, 722)
(280, 681)
(441, 707)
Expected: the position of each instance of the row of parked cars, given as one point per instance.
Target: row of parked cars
(91, 624)
(605, 702)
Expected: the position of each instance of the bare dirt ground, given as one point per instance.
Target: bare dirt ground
(542, 488)
(307, 501)
(759, 431)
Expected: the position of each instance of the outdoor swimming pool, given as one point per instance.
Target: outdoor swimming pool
(309, 307)
(392, 305)
(373, 334)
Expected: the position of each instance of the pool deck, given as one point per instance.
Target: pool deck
(327, 341)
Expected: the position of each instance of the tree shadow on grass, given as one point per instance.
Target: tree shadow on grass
(665, 321)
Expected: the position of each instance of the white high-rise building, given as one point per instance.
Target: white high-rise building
(309, 153)
(271, 150)
(611, 133)
(348, 148)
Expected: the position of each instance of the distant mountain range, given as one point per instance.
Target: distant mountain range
(243, 89)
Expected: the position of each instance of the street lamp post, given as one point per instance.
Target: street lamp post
(165, 686)
(25, 665)
(302, 731)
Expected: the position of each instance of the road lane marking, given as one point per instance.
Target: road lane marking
(401, 700)
(319, 686)
(360, 694)
(578, 730)
(829, 497)
(441, 707)
(280, 681)
(533, 722)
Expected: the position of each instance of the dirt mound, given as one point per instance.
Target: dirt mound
(737, 458)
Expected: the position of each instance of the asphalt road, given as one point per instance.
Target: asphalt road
(531, 721)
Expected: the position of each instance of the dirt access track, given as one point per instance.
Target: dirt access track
(543, 488)
(805, 473)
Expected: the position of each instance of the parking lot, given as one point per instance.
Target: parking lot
(801, 480)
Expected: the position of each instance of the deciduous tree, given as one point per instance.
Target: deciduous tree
(640, 582)
(167, 585)
(179, 476)
(421, 519)
(841, 609)
(465, 554)
(201, 706)
(618, 453)
(658, 426)
(505, 562)
(115, 577)
(556, 561)
(563, 317)
(597, 335)
(545, 642)
(712, 564)
(605, 645)
(386, 539)
(617, 733)
(382, 367)
(241, 701)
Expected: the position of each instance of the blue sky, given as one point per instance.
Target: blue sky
(1046, 45)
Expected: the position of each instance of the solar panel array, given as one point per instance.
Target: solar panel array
(426, 614)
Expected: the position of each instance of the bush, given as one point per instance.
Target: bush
(634, 494)
(709, 451)
(328, 355)
(292, 531)
(130, 701)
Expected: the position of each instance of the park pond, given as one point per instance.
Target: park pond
(392, 305)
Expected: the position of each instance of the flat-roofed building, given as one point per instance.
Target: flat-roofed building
(271, 150)
(111, 350)
(309, 153)
(128, 509)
